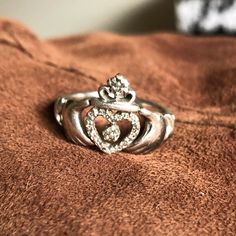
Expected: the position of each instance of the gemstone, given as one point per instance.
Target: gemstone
(111, 133)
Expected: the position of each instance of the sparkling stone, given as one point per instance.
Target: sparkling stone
(111, 133)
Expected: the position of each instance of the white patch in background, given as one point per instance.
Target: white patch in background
(214, 19)
(189, 13)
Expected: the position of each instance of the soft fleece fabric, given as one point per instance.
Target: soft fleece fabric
(50, 186)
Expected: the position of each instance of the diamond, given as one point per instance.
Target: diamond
(111, 133)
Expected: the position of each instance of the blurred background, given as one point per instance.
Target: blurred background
(64, 17)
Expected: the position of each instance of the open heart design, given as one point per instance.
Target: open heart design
(108, 142)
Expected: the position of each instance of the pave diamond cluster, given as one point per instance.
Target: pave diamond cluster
(110, 140)
(111, 133)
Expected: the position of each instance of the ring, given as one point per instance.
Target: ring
(114, 119)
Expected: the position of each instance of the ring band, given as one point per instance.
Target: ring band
(118, 107)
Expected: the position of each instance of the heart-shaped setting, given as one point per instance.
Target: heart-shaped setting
(108, 141)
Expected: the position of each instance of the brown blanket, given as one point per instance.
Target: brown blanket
(51, 186)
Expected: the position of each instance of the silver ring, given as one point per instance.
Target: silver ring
(114, 119)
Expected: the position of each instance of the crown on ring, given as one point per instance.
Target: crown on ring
(117, 89)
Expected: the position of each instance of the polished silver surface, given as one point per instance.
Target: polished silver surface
(114, 102)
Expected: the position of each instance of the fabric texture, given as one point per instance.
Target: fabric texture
(50, 186)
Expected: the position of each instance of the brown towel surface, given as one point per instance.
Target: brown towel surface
(51, 186)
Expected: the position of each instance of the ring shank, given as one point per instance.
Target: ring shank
(155, 105)
(168, 116)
